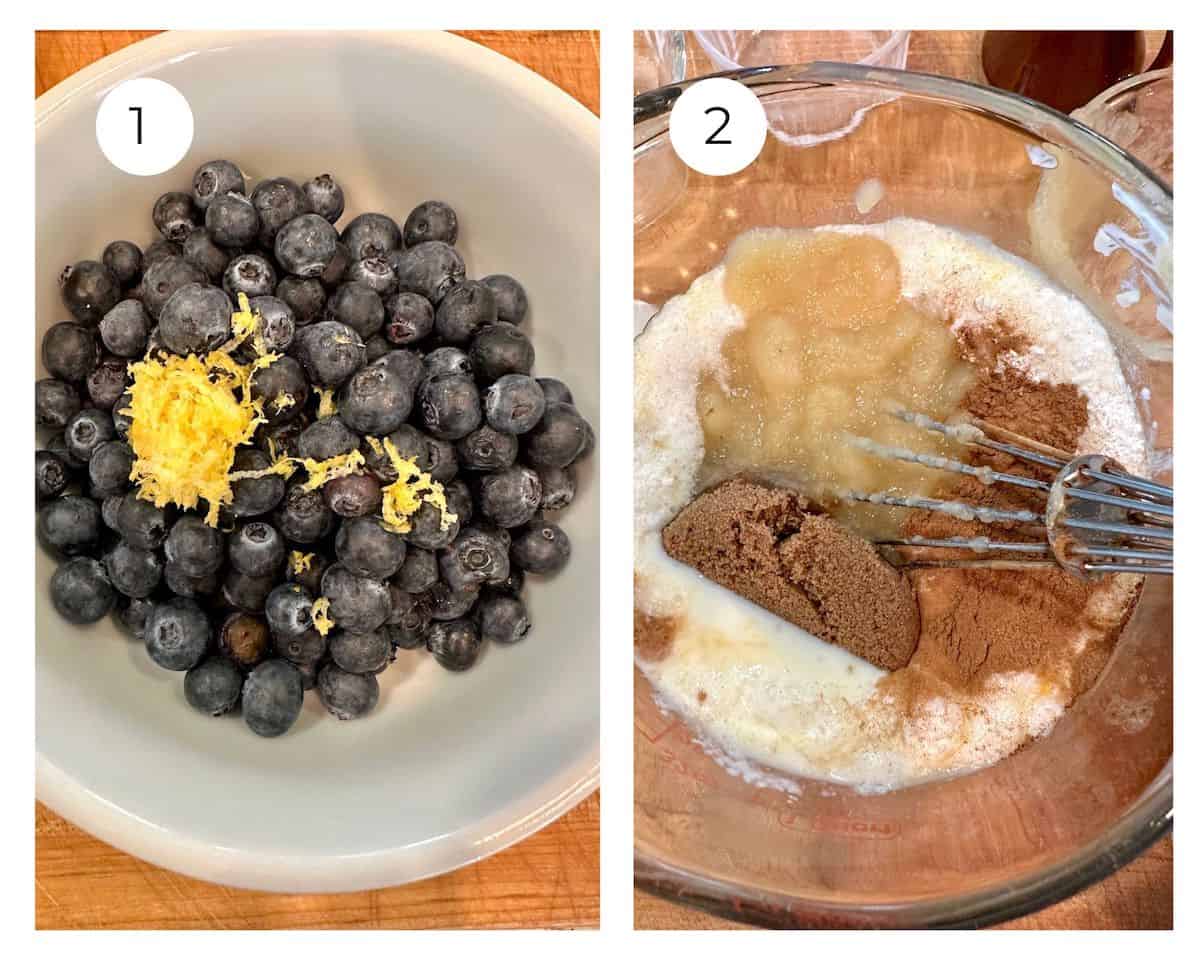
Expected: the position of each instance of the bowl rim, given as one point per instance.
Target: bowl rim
(1150, 815)
(561, 792)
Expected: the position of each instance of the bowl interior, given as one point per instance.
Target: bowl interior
(449, 767)
(1041, 822)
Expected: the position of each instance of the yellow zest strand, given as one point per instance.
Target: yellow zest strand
(413, 487)
(320, 616)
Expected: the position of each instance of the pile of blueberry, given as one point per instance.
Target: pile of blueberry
(383, 318)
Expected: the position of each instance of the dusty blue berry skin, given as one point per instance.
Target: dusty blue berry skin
(87, 431)
(427, 531)
(177, 634)
(431, 220)
(454, 644)
(278, 324)
(304, 516)
(375, 273)
(196, 319)
(158, 250)
(133, 614)
(175, 215)
(559, 438)
(409, 318)
(257, 549)
(124, 261)
(347, 696)
(135, 573)
(230, 221)
(463, 311)
(55, 403)
(410, 616)
(305, 296)
(450, 406)
(446, 603)
(125, 329)
(283, 378)
(254, 496)
(250, 274)
(419, 571)
(477, 556)
(511, 301)
(357, 604)
(272, 696)
(70, 351)
(375, 400)
(215, 178)
(201, 251)
(541, 548)
(330, 352)
(52, 473)
(194, 546)
(500, 349)
(356, 495)
(109, 468)
(89, 290)
(367, 549)
(371, 235)
(183, 584)
(289, 610)
(306, 245)
(558, 487)
(141, 522)
(106, 382)
(304, 649)
(213, 687)
(407, 363)
(327, 438)
(444, 361)
(325, 197)
(246, 592)
(377, 347)
(360, 652)
(486, 449)
(431, 269)
(81, 591)
(502, 619)
(410, 444)
(278, 201)
(510, 498)
(164, 277)
(514, 403)
(555, 391)
(357, 306)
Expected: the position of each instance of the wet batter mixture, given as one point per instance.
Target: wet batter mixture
(754, 391)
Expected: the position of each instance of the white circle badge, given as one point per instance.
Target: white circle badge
(718, 127)
(144, 126)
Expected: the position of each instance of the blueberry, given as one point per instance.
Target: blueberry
(303, 517)
(511, 302)
(445, 361)
(326, 439)
(409, 318)
(272, 697)
(250, 274)
(55, 402)
(164, 277)
(512, 585)
(159, 250)
(460, 501)
(476, 556)
(431, 269)
(57, 445)
(454, 644)
(305, 648)
(310, 578)
(257, 549)
(431, 220)
(244, 639)
(427, 529)
(196, 319)
(177, 634)
(70, 351)
(213, 687)
(358, 307)
(133, 615)
(306, 245)
(305, 296)
(450, 406)
(371, 235)
(246, 592)
(215, 178)
(134, 572)
(278, 201)
(514, 403)
(356, 495)
(407, 363)
(254, 496)
(375, 400)
(122, 421)
(125, 329)
(106, 383)
(377, 346)
(498, 350)
(465, 309)
(273, 384)
(555, 391)
(110, 508)
(360, 652)
(559, 438)
(86, 431)
(419, 571)
(347, 696)
(183, 584)
(278, 325)
(195, 547)
(336, 271)
(446, 603)
(367, 549)
(200, 251)
(410, 616)
(141, 522)
(502, 619)
(309, 672)
(558, 487)
(53, 475)
(541, 548)
(109, 468)
(89, 290)
(231, 221)
(410, 444)
(283, 437)
(124, 261)
(175, 215)
(374, 272)
(487, 449)
(510, 497)
(330, 352)
(357, 604)
(289, 611)
(81, 591)
(325, 197)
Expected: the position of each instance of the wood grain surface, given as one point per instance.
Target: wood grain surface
(551, 879)
(1140, 896)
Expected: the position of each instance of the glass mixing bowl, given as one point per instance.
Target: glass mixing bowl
(1065, 810)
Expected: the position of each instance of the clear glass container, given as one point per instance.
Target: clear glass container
(1066, 810)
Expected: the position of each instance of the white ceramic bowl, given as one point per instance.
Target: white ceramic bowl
(449, 768)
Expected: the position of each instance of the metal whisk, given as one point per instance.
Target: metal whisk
(1098, 519)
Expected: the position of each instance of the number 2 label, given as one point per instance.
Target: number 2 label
(718, 126)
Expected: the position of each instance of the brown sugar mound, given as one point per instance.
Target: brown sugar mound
(763, 543)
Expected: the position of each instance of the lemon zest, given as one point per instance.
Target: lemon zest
(413, 486)
(326, 408)
(301, 562)
(320, 472)
(320, 616)
(283, 401)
